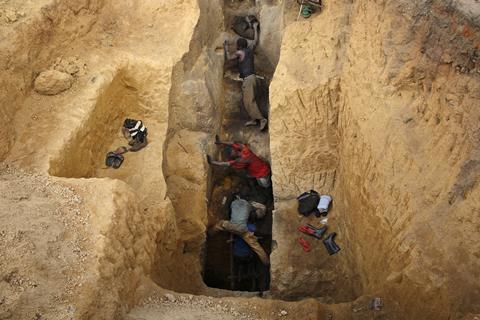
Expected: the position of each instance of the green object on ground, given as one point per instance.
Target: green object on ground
(307, 10)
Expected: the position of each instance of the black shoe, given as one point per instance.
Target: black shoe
(114, 160)
(330, 244)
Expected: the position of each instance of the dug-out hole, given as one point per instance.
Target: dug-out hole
(229, 262)
(83, 156)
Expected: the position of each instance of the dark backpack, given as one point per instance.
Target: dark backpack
(308, 202)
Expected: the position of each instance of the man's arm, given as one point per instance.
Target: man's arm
(217, 163)
(228, 56)
(253, 43)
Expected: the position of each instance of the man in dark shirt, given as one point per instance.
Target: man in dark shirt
(246, 68)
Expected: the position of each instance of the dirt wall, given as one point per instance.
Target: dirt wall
(416, 147)
(306, 101)
(195, 102)
(24, 52)
(403, 79)
(69, 134)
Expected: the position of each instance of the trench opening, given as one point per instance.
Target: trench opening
(83, 155)
(229, 263)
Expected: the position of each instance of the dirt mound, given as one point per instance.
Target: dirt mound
(43, 241)
(187, 307)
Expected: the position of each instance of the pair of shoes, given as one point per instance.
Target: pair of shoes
(251, 123)
(263, 124)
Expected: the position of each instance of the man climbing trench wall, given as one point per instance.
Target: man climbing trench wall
(234, 261)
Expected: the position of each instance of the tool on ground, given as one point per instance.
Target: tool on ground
(305, 244)
(330, 244)
(312, 230)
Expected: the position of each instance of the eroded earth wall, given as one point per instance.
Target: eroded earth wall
(195, 101)
(25, 28)
(126, 71)
(394, 87)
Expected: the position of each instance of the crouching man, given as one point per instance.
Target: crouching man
(136, 134)
(243, 158)
(241, 210)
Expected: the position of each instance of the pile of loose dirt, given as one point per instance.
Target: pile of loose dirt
(43, 246)
(187, 307)
(160, 304)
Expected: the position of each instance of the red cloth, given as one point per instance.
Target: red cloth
(255, 166)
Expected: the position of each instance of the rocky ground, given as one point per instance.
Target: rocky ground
(187, 307)
(43, 242)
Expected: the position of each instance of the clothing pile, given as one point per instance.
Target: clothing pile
(312, 202)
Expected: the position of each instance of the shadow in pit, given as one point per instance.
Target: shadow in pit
(223, 268)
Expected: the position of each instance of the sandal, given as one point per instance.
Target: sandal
(305, 244)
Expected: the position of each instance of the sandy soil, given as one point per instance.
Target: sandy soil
(379, 110)
(170, 307)
(43, 246)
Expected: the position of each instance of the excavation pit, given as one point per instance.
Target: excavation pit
(125, 96)
(223, 268)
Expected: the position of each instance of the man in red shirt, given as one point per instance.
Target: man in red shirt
(244, 158)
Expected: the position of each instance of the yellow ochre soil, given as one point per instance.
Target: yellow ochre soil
(373, 102)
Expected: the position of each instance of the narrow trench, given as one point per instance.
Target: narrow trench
(223, 269)
(127, 95)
